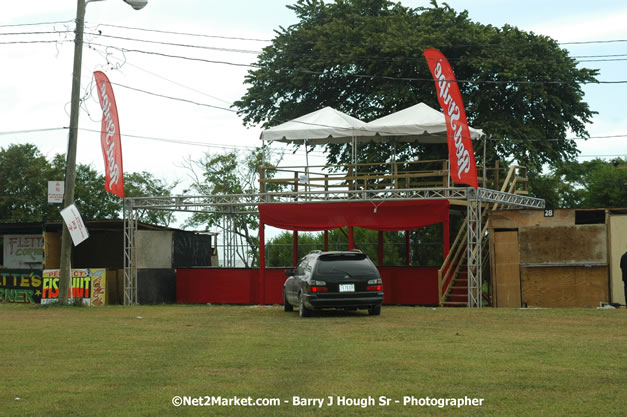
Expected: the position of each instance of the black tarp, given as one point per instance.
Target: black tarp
(156, 286)
(191, 249)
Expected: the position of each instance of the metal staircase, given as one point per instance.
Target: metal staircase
(453, 283)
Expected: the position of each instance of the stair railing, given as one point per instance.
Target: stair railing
(450, 269)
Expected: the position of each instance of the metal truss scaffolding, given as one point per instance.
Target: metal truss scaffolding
(130, 261)
(247, 203)
(473, 208)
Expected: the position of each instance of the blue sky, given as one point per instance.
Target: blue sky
(36, 78)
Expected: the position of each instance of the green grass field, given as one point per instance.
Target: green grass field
(132, 361)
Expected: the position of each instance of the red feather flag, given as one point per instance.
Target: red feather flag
(110, 140)
(461, 154)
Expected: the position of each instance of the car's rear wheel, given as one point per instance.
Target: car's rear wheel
(287, 306)
(302, 310)
(375, 310)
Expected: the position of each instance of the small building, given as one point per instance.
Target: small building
(34, 247)
(557, 258)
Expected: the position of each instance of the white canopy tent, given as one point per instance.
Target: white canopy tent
(322, 126)
(418, 123)
(326, 125)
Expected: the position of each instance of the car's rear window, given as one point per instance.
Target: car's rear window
(345, 263)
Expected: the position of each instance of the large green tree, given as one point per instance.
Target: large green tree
(590, 184)
(25, 173)
(365, 57)
(279, 248)
(225, 174)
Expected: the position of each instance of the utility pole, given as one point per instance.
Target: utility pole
(70, 164)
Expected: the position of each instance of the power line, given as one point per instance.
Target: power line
(36, 33)
(106, 56)
(593, 42)
(209, 61)
(185, 34)
(31, 42)
(37, 24)
(175, 98)
(354, 75)
(223, 146)
(558, 140)
(602, 156)
(355, 58)
(197, 143)
(270, 40)
(183, 45)
(49, 129)
(339, 127)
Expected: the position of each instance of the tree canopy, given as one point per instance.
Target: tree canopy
(25, 173)
(590, 184)
(231, 173)
(365, 57)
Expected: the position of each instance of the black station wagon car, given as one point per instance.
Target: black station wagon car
(344, 279)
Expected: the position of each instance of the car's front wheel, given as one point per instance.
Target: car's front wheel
(302, 310)
(375, 310)
(287, 306)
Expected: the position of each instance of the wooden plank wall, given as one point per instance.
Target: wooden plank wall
(618, 246)
(564, 245)
(52, 248)
(115, 286)
(564, 286)
(507, 269)
(561, 264)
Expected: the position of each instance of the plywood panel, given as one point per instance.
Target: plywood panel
(154, 249)
(582, 244)
(513, 219)
(52, 247)
(570, 286)
(618, 246)
(115, 286)
(507, 269)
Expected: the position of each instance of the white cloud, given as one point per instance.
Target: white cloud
(585, 27)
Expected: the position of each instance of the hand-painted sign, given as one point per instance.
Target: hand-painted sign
(20, 286)
(74, 223)
(23, 251)
(87, 284)
(98, 287)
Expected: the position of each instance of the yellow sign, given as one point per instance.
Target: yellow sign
(89, 285)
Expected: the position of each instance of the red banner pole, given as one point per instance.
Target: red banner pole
(380, 249)
(295, 248)
(407, 247)
(351, 238)
(262, 264)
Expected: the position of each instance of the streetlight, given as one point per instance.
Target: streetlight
(70, 168)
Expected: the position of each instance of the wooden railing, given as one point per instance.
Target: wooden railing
(372, 176)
